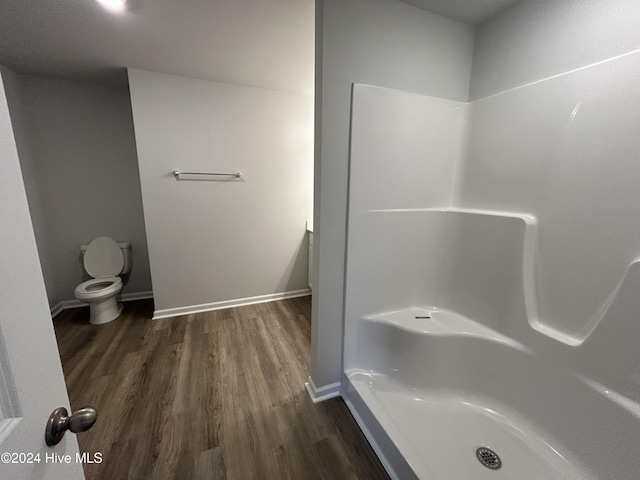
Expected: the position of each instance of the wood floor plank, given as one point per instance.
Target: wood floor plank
(213, 395)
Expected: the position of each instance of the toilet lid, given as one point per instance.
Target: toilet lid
(103, 258)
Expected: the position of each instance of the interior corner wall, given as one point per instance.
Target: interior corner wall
(219, 243)
(385, 43)
(77, 154)
(36, 203)
(536, 39)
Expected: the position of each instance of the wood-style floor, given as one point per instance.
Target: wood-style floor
(216, 395)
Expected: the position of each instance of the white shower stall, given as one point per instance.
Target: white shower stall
(493, 276)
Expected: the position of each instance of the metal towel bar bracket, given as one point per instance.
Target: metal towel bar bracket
(177, 173)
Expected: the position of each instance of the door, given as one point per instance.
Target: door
(31, 381)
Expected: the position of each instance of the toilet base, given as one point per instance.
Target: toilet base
(105, 311)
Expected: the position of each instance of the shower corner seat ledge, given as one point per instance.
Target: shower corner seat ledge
(440, 322)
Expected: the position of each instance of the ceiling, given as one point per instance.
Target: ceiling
(236, 41)
(473, 12)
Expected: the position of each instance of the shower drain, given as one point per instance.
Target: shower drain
(488, 458)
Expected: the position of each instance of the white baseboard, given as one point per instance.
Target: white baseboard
(125, 297)
(56, 309)
(130, 297)
(323, 393)
(239, 302)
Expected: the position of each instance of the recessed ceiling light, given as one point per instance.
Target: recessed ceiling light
(113, 5)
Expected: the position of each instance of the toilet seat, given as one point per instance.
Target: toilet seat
(103, 258)
(94, 288)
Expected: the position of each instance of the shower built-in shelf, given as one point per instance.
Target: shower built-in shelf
(440, 322)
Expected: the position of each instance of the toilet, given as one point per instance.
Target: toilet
(104, 259)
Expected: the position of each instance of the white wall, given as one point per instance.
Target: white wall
(405, 149)
(404, 155)
(213, 242)
(565, 148)
(377, 42)
(535, 39)
(77, 153)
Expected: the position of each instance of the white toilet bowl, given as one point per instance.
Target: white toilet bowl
(100, 293)
(104, 260)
